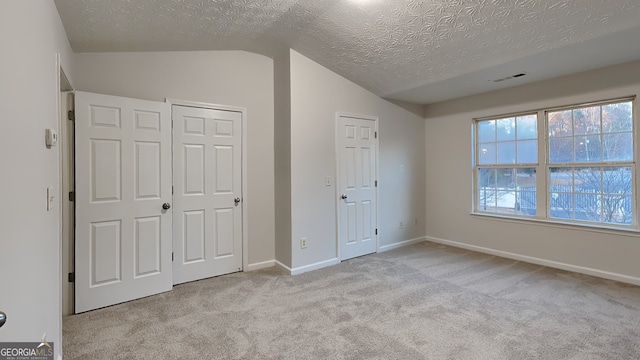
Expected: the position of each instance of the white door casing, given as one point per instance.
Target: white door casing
(356, 140)
(207, 177)
(123, 178)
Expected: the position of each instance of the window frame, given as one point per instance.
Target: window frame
(544, 165)
(478, 166)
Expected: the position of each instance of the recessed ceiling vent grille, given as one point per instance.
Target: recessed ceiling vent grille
(509, 77)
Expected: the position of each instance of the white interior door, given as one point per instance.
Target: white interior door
(123, 178)
(357, 186)
(207, 227)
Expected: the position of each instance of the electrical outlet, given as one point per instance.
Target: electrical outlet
(401, 225)
(303, 243)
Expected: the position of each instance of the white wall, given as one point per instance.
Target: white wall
(221, 77)
(316, 95)
(31, 34)
(449, 178)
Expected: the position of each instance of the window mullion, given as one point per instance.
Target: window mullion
(542, 169)
(636, 148)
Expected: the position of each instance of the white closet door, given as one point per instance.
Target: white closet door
(207, 227)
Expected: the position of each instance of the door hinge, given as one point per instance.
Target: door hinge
(376, 231)
(71, 115)
(376, 183)
(72, 196)
(72, 277)
(171, 256)
(375, 134)
(172, 190)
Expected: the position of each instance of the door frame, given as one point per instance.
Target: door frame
(67, 184)
(244, 193)
(376, 120)
(63, 86)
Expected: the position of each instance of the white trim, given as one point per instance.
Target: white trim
(534, 260)
(260, 265)
(282, 266)
(307, 268)
(245, 182)
(63, 84)
(60, 154)
(377, 142)
(578, 226)
(204, 105)
(336, 182)
(400, 244)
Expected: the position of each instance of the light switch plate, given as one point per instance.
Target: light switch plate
(51, 137)
(50, 198)
(327, 180)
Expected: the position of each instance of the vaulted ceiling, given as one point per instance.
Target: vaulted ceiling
(420, 51)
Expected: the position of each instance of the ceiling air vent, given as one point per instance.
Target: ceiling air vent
(509, 77)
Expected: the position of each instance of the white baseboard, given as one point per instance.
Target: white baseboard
(534, 260)
(307, 268)
(384, 248)
(316, 266)
(334, 261)
(261, 265)
(283, 266)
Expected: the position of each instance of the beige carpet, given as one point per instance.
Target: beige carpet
(426, 301)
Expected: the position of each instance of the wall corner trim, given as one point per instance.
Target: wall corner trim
(283, 266)
(538, 261)
(400, 244)
(261, 265)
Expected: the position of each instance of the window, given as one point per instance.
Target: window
(583, 171)
(591, 163)
(507, 153)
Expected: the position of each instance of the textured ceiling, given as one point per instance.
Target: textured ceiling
(414, 50)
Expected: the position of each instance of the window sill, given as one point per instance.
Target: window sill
(603, 229)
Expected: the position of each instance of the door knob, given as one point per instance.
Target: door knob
(344, 196)
(237, 200)
(3, 318)
(166, 206)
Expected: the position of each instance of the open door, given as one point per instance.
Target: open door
(123, 199)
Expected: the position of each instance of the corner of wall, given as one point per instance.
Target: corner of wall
(282, 163)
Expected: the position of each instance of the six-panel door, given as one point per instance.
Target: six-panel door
(123, 178)
(357, 198)
(207, 226)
